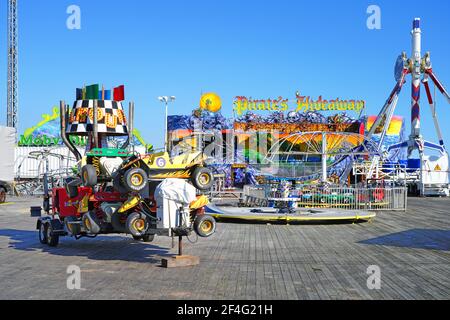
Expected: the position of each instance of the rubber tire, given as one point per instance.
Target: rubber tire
(2, 195)
(148, 237)
(93, 221)
(130, 220)
(127, 179)
(71, 185)
(199, 220)
(116, 224)
(43, 233)
(195, 178)
(76, 227)
(89, 175)
(46, 204)
(117, 184)
(52, 239)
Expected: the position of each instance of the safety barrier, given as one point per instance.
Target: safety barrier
(352, 198)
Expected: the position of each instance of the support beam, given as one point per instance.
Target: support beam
(12, 47)
(324, 157)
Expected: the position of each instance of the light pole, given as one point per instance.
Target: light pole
(166, 100)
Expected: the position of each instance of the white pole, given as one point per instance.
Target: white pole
(415, 73)
(166, 140)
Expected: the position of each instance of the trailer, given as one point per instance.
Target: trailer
(171, 209)
(113, 190)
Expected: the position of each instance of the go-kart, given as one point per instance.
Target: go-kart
(133, 174)
(139, 219)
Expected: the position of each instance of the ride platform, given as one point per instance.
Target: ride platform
(305, 215)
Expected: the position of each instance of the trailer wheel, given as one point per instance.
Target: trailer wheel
(52, 239)
(2, 194)
(43, 233)
(89, 175)
(202, 178)
(137, 224)
(204, 225)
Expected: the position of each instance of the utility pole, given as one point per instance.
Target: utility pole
(12, 90)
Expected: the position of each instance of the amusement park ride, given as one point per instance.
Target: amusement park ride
(430, 174)
(114, 189)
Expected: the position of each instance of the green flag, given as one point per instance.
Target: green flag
(92, 92)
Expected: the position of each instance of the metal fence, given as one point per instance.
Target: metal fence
(370, 198)
(33, 162)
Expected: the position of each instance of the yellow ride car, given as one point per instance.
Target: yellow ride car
(134, 173)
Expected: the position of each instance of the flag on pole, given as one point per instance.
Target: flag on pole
(79, 94)
(92, 92)
(119, 93)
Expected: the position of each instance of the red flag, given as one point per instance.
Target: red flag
(119, 93)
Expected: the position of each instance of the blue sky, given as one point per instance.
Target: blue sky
(262, 49)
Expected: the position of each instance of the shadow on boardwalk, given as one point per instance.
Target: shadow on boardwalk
(415, 238)
(100, 248)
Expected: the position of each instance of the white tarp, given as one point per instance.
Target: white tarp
(177, 190)
(7, 145)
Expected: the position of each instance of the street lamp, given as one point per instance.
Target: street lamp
(166, 100)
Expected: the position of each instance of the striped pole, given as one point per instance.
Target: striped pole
(415, 73)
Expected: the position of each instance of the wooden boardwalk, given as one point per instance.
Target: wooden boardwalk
(241, 261)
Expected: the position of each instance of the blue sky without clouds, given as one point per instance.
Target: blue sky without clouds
(262, 49)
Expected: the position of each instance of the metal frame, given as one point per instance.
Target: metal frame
(12, 77)
(379, 198)
(417, 66)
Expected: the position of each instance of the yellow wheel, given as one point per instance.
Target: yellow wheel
(202, 178)
(135, 179)
(137, 224)
(204, 225)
